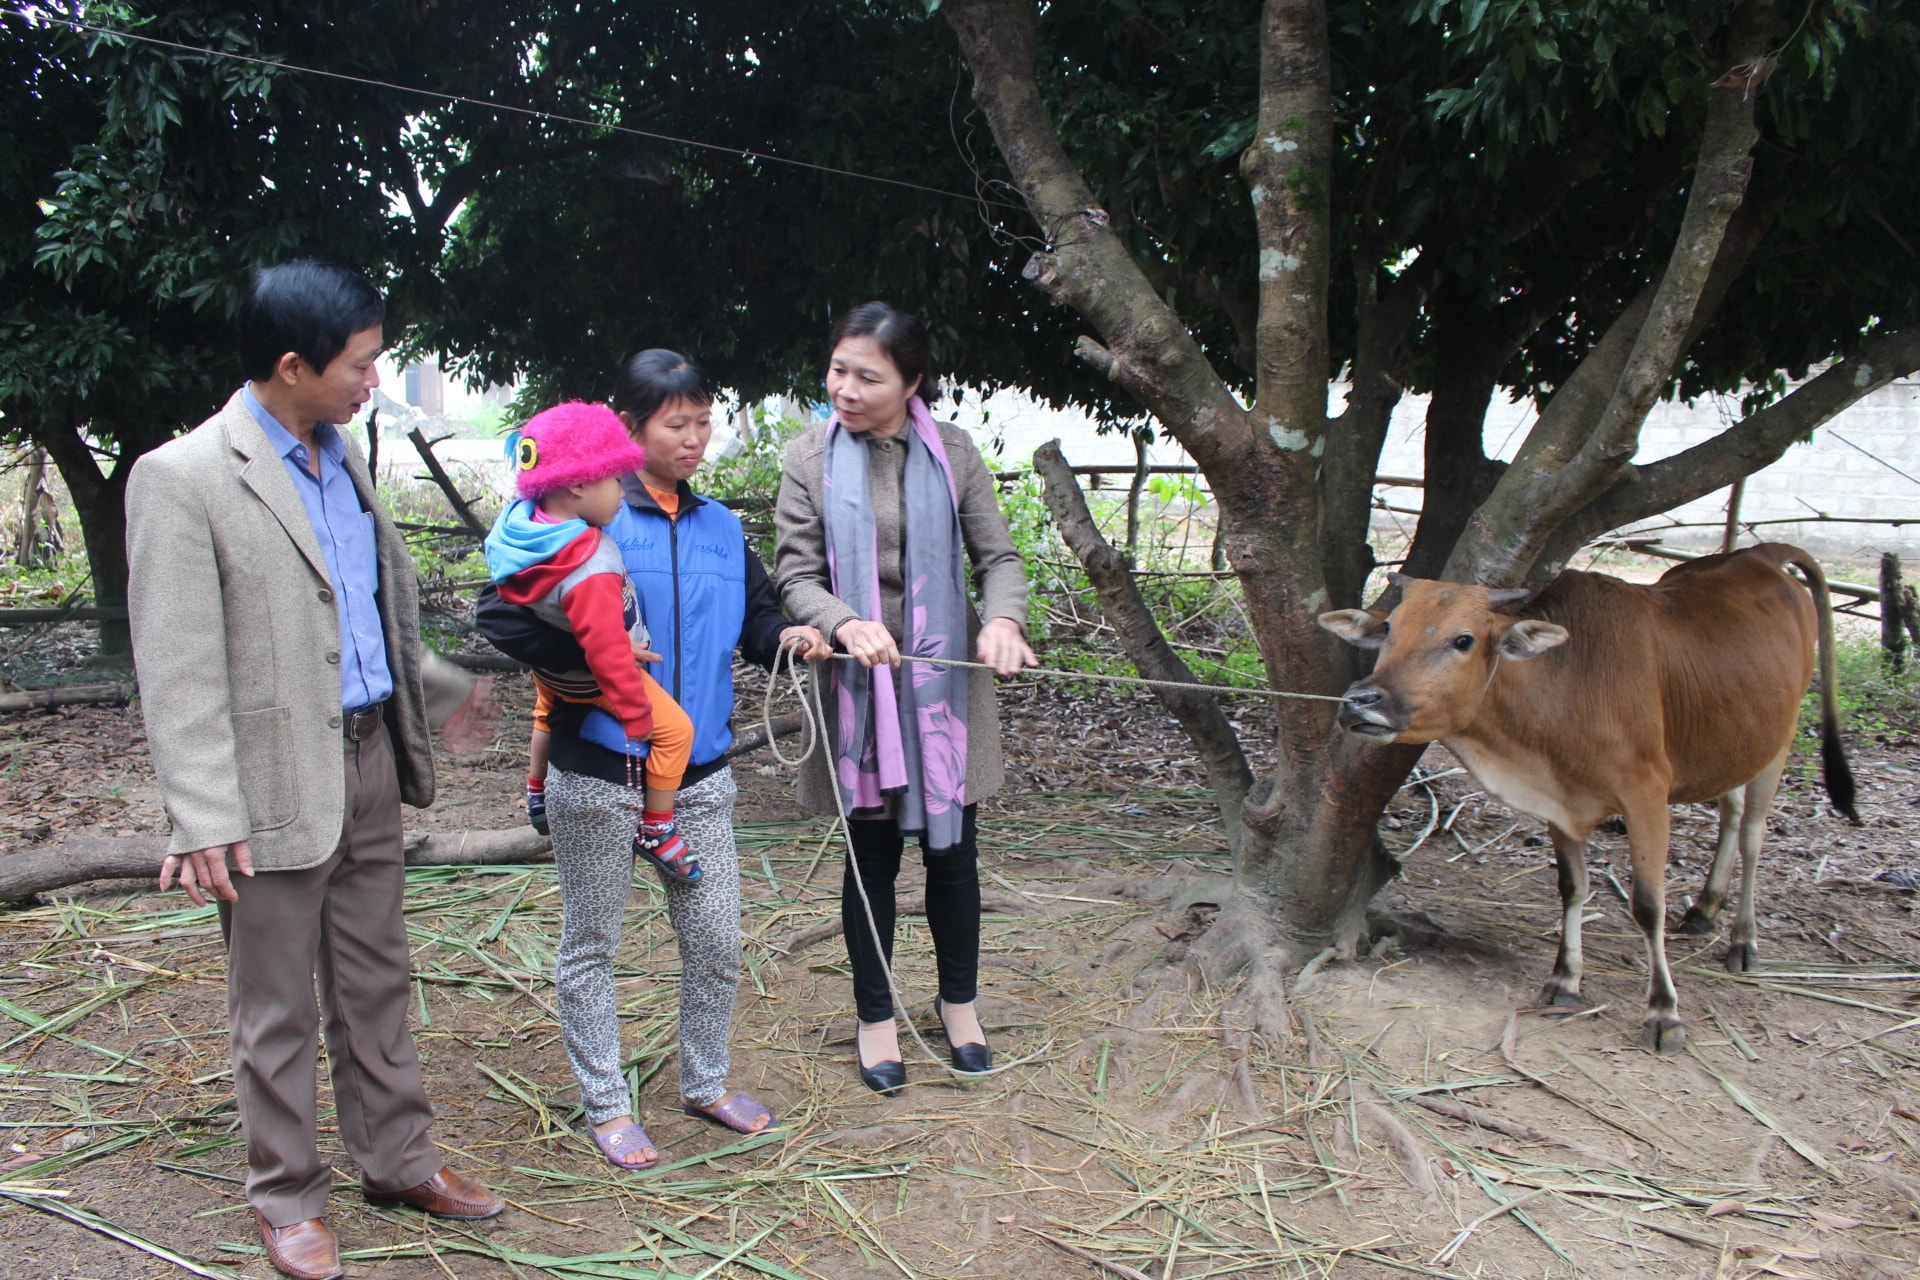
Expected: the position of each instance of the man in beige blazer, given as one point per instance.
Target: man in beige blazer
(276, 633)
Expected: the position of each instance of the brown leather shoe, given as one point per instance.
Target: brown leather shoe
(445, 1195)
(305, 1250)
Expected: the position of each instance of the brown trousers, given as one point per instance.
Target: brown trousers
(339, 922)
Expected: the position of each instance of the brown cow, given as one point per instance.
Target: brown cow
(1604, 697)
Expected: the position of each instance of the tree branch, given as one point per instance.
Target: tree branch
(1547, 485)
(1199, 714)
(1085, 265)
(1754, 442)
(445, 481)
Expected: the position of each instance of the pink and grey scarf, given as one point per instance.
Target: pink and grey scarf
(902, 738)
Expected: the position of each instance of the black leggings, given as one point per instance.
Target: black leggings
(953, 912)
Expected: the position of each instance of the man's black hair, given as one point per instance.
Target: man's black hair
(307, 307)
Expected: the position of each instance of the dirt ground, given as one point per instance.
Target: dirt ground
(1134, 1139)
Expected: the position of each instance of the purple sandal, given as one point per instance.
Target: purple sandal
(617, 1142)
(735, 1111)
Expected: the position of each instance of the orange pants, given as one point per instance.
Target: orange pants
(672, 731)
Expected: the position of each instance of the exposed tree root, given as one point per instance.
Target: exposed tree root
(1203, 1087)
(1238, 934)
(1311, 969)
(1265, 996)
(1480, 1118)
(1233, 1043)
(1413, 1157)
(1418, 929)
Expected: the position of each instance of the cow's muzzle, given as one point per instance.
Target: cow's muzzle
(1368, 713)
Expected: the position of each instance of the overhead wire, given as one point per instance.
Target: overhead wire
(46, 17)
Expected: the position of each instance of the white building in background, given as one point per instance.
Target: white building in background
(427, 387)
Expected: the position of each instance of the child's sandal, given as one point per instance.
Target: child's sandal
(663, 847)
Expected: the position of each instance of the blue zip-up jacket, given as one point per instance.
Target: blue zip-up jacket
(703, 593)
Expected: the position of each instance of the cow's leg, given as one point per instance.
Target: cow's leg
(1743, 955)
(1705, 911)
(1647, 832)
(1570, 855)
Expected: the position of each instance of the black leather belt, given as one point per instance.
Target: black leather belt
(359, 725)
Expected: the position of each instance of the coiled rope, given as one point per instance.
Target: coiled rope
(813, 718)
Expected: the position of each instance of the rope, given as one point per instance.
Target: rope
(1142, 681)
(813, 719)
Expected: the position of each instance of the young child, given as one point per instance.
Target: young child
(548, 552)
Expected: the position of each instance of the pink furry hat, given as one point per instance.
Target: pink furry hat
(572, 443)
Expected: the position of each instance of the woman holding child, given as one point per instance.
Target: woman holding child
(880, 511)
(703, 593)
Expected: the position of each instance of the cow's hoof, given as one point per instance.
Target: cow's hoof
(1663, 1033)
(1558, 994)
(1743, 957)
(1696, 922)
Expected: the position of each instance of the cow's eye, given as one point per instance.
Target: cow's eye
(1463, 643)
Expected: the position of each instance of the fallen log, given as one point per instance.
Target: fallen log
(477, 848)
(72, 695)
(73, 613)
(78, 859)
(755, 736)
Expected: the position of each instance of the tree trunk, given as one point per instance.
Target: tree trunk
(1312, 847)
(100, 502)
(1292, 488)
(1580, 448)
(40, 537)
(1459, 475)
(1316, 861)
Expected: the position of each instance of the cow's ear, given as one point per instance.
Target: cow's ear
(1529, 638)
(1359, 627)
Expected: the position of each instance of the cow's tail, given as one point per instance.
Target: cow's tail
(1834, 770)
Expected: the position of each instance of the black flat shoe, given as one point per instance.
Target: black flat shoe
(881, 1077)
(966, 1057)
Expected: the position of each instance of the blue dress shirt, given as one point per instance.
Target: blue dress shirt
(345, 533)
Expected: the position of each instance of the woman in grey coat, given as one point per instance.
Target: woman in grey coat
(880, 511)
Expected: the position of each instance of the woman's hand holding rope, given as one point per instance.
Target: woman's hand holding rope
(870, 643)
(806, 642)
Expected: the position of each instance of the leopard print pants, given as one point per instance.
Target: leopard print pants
(593, 824)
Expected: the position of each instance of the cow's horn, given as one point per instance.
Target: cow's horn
(1499, 597)
(1399, 579)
